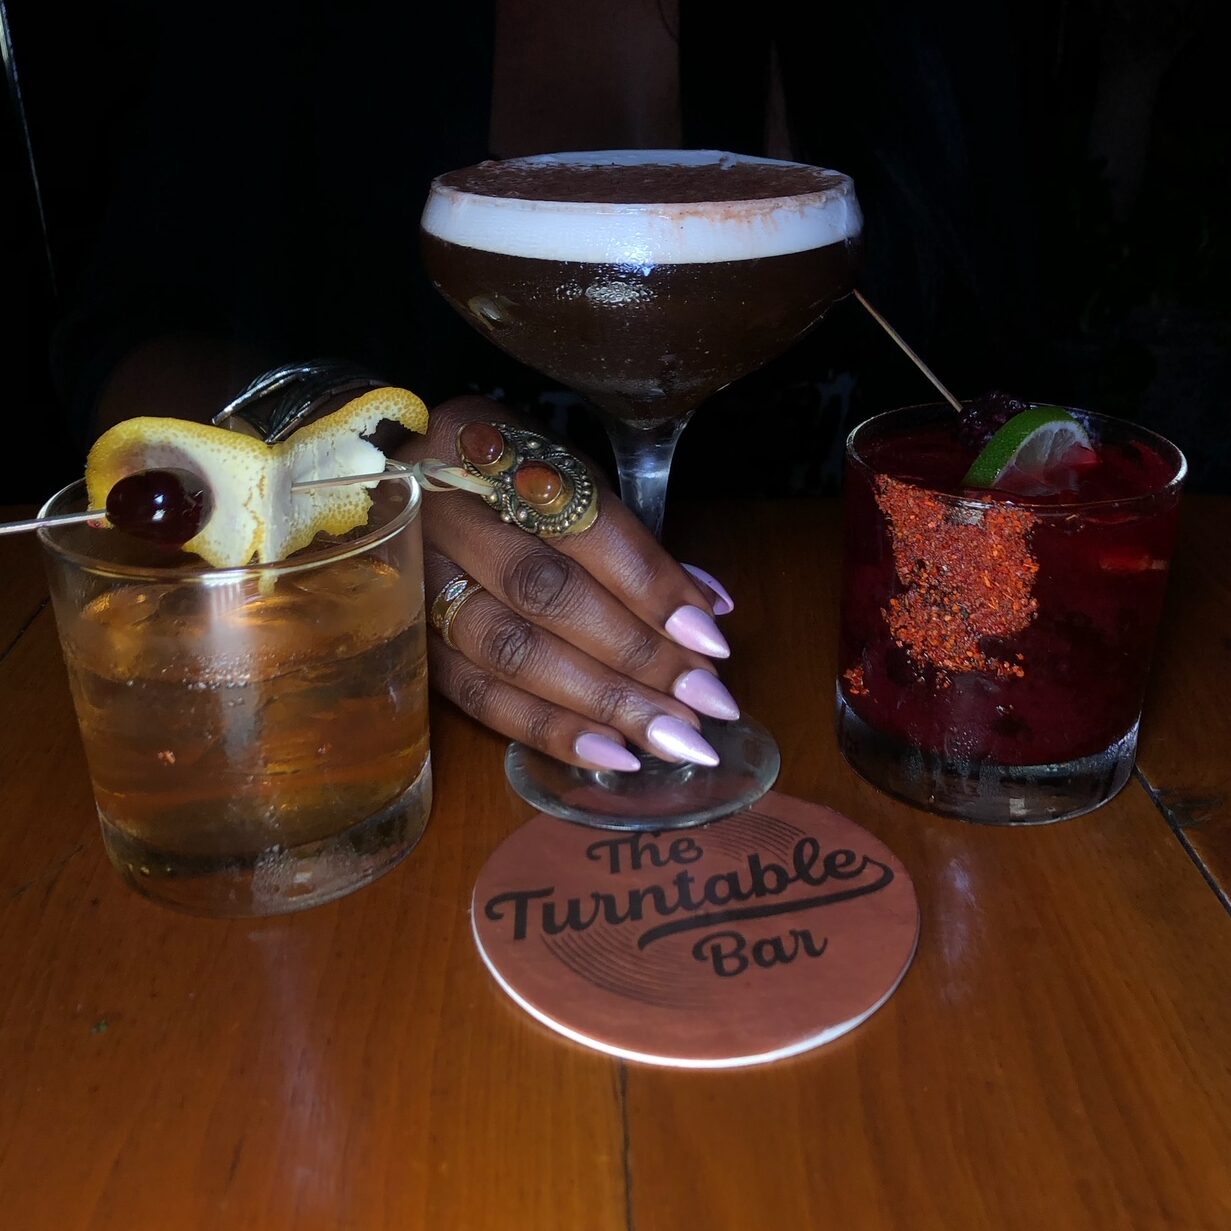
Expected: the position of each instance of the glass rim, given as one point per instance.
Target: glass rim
(1007, 499)
(204, 574)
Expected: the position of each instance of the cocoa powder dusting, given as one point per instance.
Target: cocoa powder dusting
(966, 582)
(640, 183)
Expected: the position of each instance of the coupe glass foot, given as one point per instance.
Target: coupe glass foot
(662, 794)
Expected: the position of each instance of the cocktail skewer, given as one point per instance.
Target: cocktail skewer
(435, 475)
(60, 519)
(432, 474)
(910, 354)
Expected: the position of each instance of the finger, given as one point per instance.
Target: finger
(531, 720)
(507, 645)
(721, 602)
(619, 552)
(555, 592)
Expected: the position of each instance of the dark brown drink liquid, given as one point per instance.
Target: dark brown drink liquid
(645, 284)
(643, 342)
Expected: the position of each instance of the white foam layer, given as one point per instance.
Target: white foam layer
(660, 234)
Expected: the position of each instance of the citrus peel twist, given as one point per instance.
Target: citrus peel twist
(256, 515)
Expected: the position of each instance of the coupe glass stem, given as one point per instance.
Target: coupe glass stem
(643, 461)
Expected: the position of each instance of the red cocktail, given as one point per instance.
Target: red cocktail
(995, 647)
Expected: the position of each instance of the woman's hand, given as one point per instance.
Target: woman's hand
(577, 645)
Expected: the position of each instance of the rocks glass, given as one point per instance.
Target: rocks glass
(994, 649)
(257, 737)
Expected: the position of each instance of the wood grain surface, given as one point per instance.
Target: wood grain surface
(1058, 1057)
(23, 586)
(1185, 733)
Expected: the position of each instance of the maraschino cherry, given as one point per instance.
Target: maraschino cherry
(167, 506)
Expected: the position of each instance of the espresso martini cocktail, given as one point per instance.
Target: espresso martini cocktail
(644, 280)
(646, 285)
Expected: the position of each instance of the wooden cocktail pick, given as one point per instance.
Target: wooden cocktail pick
(910, 354)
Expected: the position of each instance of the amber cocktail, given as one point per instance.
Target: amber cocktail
(257, 737)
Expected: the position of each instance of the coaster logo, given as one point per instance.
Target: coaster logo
(722, 906)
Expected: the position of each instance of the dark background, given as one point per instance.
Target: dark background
(1045, 188)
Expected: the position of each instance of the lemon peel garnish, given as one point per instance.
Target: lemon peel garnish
(255, 514)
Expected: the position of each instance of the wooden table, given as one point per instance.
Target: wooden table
(1058, 1057)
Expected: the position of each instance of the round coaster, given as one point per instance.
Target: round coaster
(739, 942)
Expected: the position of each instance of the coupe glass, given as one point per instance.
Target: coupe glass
(644, 280)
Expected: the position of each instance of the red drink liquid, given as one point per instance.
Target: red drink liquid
(994, 651)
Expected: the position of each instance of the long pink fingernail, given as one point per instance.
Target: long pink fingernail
(725, 603)
(696, 630)
(703, 691)
(604, 752)
(677, 740)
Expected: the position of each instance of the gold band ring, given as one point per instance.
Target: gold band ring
(449, 602)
